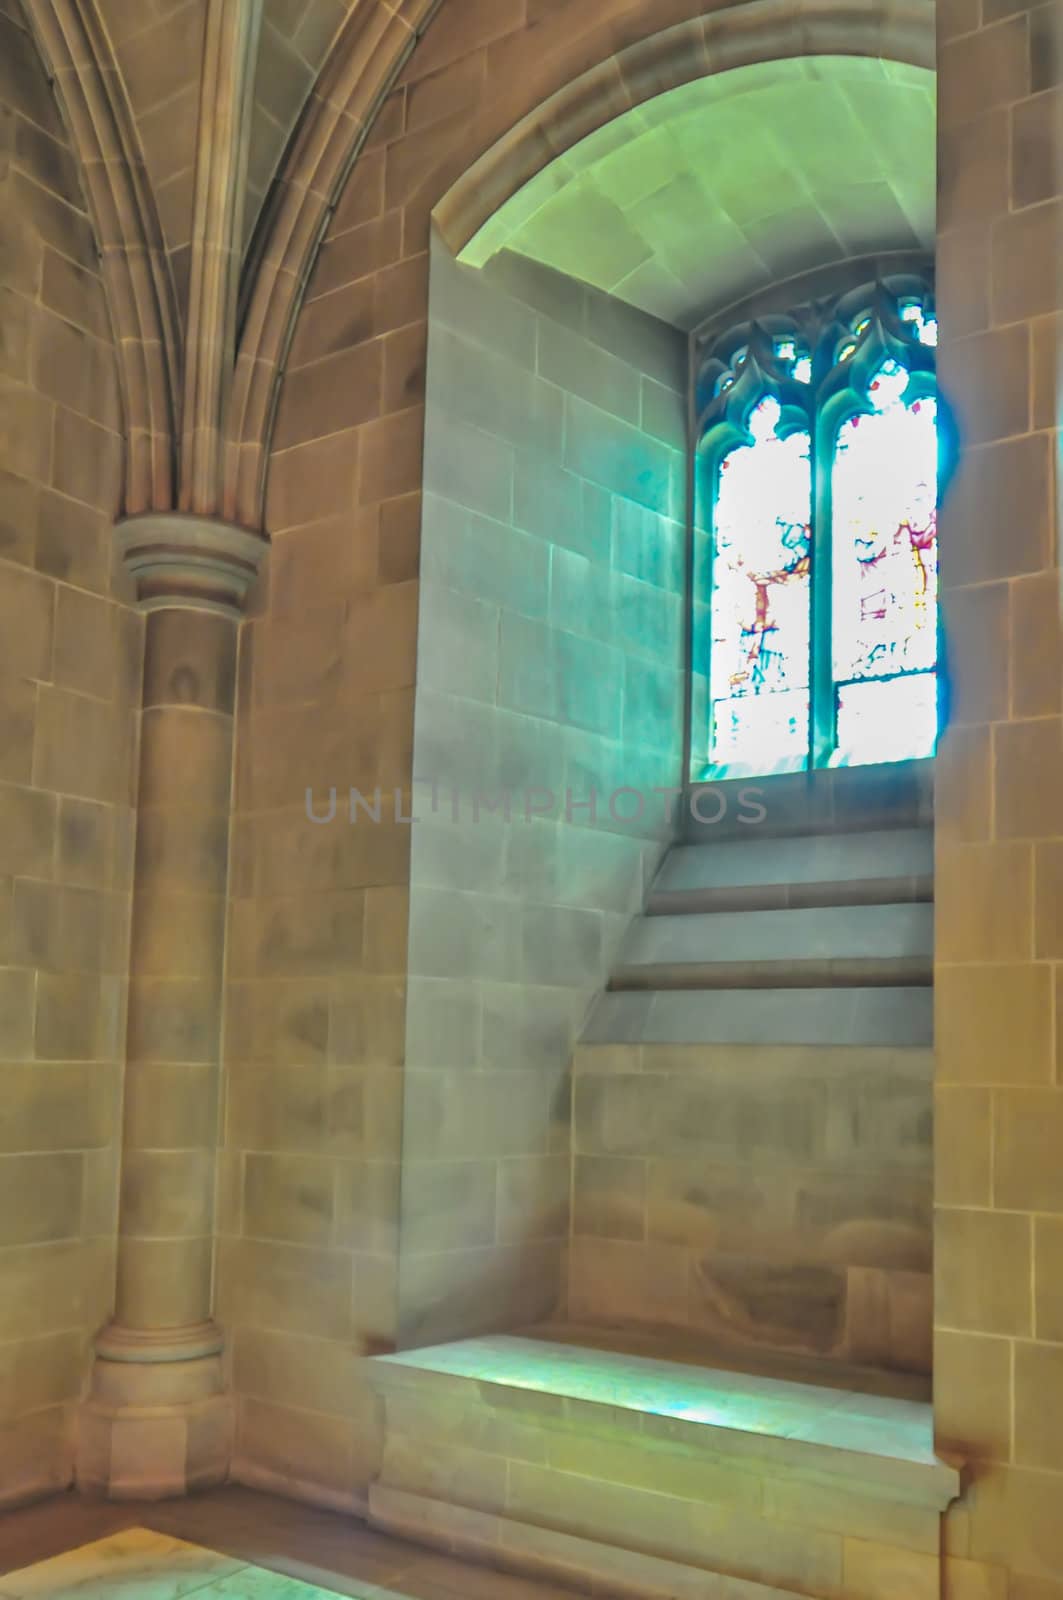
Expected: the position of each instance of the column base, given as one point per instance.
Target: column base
(153, 1426)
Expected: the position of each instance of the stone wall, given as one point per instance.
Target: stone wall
(70, 651)
(998, 1363)
(344, 508)
(550, 647)
(756, 1199)
(308, 1177)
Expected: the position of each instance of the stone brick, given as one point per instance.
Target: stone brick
(308, 1448)
(963, 782)
(962, 1146)
(174, 1019)
(287, 1287)
(391, 456)
(1039, 1406)
(982, 1272)
(350, 257)
(27, 610)
(999, 486)
(987, 380)
(189, 660)
(985, 903)
(68, 1017)
(18, 705)
(1036, 646)
(82, 747)
(400, 294)
(1048, 899)
(55, 1182)
(982, 70)
(405, 354)
(963, 280)
(73, 542)
(165, 1278)
(311, 481)
(75, 370)
(1024, 279)
(1029, 778)
(972, 1394)
(1037, 148)
(956, 17)
(972, 174)
(1028, 1126)
(877, 1571)
(1046, 48)
(177, 935)
(178, 739)
(180, 849)
(977, 637)
(331, 395)
(1048, 1278)
(400, 539)
(288, 1197)
(85, 460)
(533, 1198)
(609, 1197)
(87, 844)
(166, 1193)
(993, 1024)
(449, 1205)
(306, 1374)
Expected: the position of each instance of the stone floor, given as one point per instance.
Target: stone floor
(231, 1544)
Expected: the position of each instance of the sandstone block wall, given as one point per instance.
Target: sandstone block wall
(70, 650)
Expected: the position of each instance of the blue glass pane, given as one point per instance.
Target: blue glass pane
(760, 601)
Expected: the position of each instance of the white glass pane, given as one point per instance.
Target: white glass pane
(761, 595)
(886, 719)
(884, 578)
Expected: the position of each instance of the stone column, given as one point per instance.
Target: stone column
(157, 1421)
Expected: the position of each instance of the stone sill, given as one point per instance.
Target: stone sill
(877, 1444)
(895, 794)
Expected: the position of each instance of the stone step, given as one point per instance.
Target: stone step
(901, 1015)
(823, 972)
(872, 868)
(834, 933)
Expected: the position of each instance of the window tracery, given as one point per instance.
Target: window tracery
(816, 617)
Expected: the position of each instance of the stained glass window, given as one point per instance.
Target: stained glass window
(819, 451)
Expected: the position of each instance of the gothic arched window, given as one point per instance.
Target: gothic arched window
(815, 616)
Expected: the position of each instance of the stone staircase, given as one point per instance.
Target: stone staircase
(823, 938)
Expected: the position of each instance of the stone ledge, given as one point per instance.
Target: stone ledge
(877, 1443)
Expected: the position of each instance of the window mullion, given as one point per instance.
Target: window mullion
(821, 667)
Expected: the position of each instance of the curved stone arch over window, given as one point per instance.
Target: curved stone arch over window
(487, 200)
(814, 611)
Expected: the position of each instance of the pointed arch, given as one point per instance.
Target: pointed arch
(80, 62)
(367, 56)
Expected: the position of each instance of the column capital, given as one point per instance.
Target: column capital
(179, 559)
